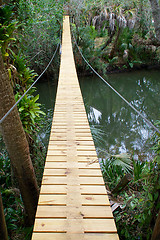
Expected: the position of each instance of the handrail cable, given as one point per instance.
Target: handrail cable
(140, 114)
(34, 56)
(10, 110)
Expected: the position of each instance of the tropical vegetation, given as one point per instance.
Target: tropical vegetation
(114, 35)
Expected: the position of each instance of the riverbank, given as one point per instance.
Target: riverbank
(115, 69)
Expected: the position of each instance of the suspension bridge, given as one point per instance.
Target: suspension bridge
(73, 202)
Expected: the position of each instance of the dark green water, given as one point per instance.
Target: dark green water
(121, 129)
(47, 93)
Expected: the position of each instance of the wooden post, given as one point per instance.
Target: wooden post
(122, 184)
(3, 227)
(156, 230)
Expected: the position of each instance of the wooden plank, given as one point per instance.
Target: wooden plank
(52, 211)
(91, 190)
(57, 143)
(55, 172)
(88, 138)
(63, 172)
(82, 134)
(81, 165)
(59, 127)
(91, 181)
(55, 180)
(98, 212)
(60, 225)
(84, 143)
(49, 236)
(102, 225)
(59, 180)
(52, 142)
(92, 172)
(56, 158)
(87, 153)
(90, 158)
(50, 225)
(81, 126)
(63, 146)
(85, 147)
(87, 159)
(59, 134)
(94, 165)
(56, 152)
(65, 236)
(95, 200)
(53, 189)
(83, 130)
(59, 165)
(52, 199)
(62, 189)
(58, 138)
(58, 130)
(58, 124)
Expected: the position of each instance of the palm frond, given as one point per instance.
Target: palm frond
(123, 160)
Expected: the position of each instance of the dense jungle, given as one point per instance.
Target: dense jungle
(116, 37)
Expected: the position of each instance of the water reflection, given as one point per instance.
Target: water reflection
(123, 129)
(47, 95)
(47, 92)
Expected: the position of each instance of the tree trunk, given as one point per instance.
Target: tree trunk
(108, 41)
(156, 230)
(156, 16)
(17, 146)
(3, 227)
(122, 184)
(111, 55)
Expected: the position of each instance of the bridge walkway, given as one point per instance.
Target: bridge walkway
(73, 202)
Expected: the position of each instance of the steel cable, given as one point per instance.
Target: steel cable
(10, 110)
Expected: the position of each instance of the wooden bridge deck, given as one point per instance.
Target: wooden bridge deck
(73, 203)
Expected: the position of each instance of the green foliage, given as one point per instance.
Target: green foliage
(13, 209)
(5, 168)
(29, 111)
(40, 29)
(20, 74)
(97, 135)
(114, 167)
(13, 206)
(141, 205)
(130, 48)
(7, 27)
(6, 14)
(137, 169)
(93, 32)
(24, 73)
(140, 199)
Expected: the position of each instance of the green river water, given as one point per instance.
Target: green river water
(117, 128)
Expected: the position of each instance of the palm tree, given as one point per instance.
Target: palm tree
(156, 16)
(17, 146)
(3, 228)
